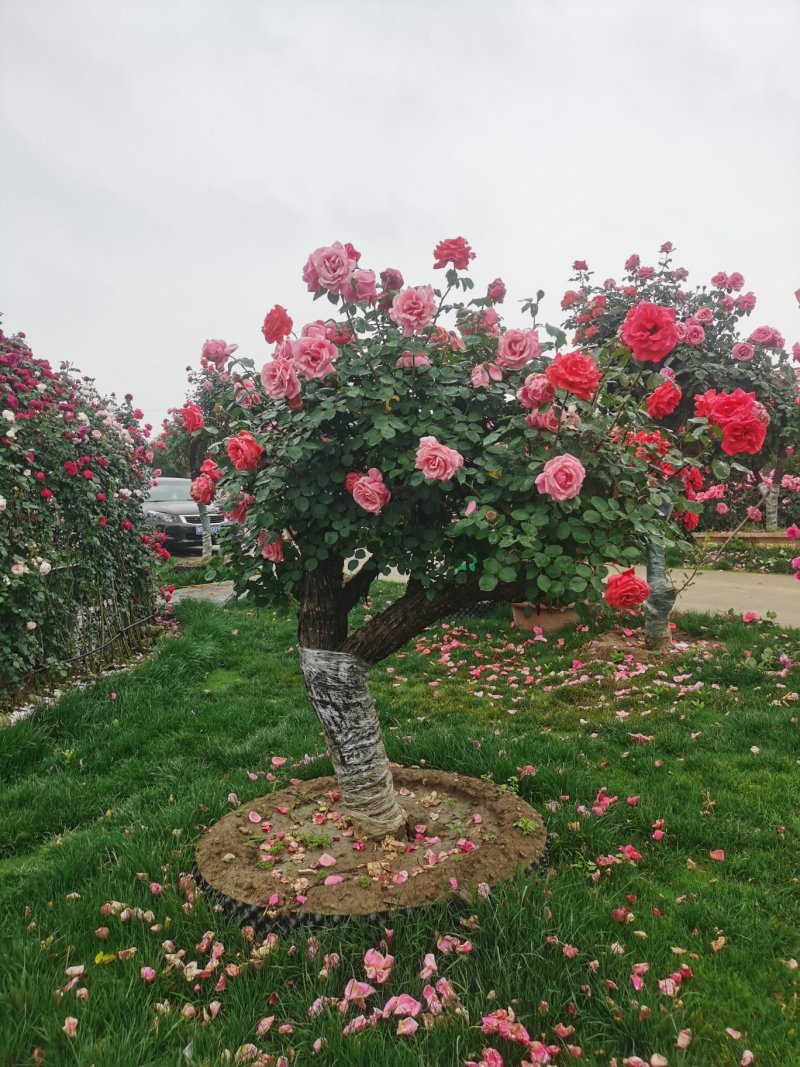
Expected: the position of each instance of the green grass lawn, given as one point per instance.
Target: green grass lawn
(99, 797)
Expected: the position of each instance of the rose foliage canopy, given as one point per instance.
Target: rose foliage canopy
(413, 430)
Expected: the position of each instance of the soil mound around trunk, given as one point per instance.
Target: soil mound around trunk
(293, 854)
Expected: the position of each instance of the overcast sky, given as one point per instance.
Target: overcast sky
(167, 165)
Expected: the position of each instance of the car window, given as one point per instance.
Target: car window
(170, 491)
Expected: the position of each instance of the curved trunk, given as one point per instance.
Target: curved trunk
(661, 601)
(205, 523)
(337, 688)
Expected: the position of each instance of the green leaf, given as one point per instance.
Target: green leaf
(721, 469)
(487, 582)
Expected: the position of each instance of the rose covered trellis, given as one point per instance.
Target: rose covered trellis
(414, 431)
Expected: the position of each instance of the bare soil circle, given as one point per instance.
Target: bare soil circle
(292, 856)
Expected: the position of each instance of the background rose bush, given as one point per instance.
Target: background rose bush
(75, 556)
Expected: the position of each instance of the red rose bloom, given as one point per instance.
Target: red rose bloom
(202, 490)
(46, 494)
(211, 470)
(743, 435)
(731, 407)
(71, 468)
(649, 331)
(454, 250)
(192, 418)
(664, 400)
(703, 402)
(626, 590)
(574, 373)
(244, 451)
(277, 325)
(689, 519)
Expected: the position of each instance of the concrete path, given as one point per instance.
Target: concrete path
(714, 591)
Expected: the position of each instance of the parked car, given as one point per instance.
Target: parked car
(170, 509)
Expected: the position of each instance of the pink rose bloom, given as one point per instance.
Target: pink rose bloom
(796, 351)
(704, 316)
(742, 351)
(517, 347)
(479, 376)
(762, 336)
(735, 281)
(279, 379)
(720, 280)
(317, 328)
(412, 359)
(271, 550)
(70, 1026)
(722, 509)
(413, 309)
(217, 352)
(680, 330)
(695, 334)
(436, 461)
(632, 262)
(754, 514)
(746, 302)
(543, 420)
(727, 303)
(488, 323)
(362, 286)
(562, 477)
(370, 493)
(314, 356)
(330, 267)
(793, 532)
(496, 291)
(537, 390)
(795, 563)
(644, 273)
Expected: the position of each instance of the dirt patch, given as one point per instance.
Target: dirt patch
(631, 643)
(293, 853)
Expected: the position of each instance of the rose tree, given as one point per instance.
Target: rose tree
(721, 396)
(414, 431)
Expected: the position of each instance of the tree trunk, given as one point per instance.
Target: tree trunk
(337, 688)
(773, 496)
(205, 523)
(662, 598)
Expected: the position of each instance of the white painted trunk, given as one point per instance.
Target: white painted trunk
(205, 523)
(771, 505)
(662, 598)
(337, 688)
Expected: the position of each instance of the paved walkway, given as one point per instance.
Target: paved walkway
(714, 591)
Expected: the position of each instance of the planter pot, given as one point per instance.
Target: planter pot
(529, 616)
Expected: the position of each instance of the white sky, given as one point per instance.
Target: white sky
(167, 165)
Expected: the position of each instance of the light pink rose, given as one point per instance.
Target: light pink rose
(217, 352)
(722, 509)
(413, 309)
(537, 390)
(412, 359)
(370, 493)
(314, 356)
(562, 477)
(735, 281)
(361, 286)
(279, 379)
(436, 461)
(695, 334)
(704, 316)
(317, 328)
(330, 267)
(742, 351)
(479, 376)
(517, 347)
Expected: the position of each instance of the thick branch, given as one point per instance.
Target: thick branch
(357, 586)
(412, 612)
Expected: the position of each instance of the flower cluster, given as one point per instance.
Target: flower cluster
(417, 427)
